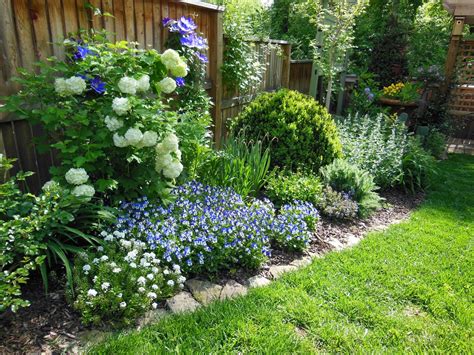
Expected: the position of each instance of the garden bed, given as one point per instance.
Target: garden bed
(50, 324)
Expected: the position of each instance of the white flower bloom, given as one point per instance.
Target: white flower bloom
(119, 295)
(141, 289)
(154, 269)
(105, 286)
(83, 191)
(60, 86)
(76, 85)
(154, 305)
(170, 283)
(133, 265)
(181, 279)
(128, 85)
(86, 269)
(173, 170)
(103, 233)
(149, 139)
(100, 248)
(76, 176)
(126, 244)
(123, 304)
(133, 136)
(119, 234)
(95, 278)
(176, 268)
(119, 141)
(155, 287)
(167, 85)
(180, 70)
(92, 293)
(121, 105)
(116, 270)
(166, 272)
(95, 261)
(143, 83)
(170, 142)
(141, 280)
(152, 295)
(109, 238)
(150, 276)
(170, 58)
(112, 123)
(104, 258)
(113, 264)
(49, 185)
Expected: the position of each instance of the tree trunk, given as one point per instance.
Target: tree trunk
(328, 93)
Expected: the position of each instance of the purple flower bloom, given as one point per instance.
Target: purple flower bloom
(179, 82)
(202, 57)
(367, 91)
(370, 96)
(194, 41)
(82, 52)
(166, 21)
(98, 85)
(186, 25)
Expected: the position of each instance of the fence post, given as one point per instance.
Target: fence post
(285, 75)
(216, 58)
(451, 57)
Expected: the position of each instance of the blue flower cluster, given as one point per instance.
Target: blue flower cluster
(207, 229)
(186, 27)
(369, 94)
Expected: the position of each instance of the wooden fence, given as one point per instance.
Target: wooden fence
(300, 75)
(30, 29)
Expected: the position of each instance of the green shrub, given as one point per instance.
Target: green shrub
(376, 145)
(337, 205)
(357, 183)
(240, 164)
(286, 186)
(302, 133)
(418, 166)
(435, 143)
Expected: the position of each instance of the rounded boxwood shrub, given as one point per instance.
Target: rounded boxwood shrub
(301, 132)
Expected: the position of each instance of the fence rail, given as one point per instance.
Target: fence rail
(30, 30)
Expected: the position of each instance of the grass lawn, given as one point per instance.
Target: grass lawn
(407, 289)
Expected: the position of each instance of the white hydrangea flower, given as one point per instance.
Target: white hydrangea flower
(60, 86)
(141, 289)
(166, 272)
(150, 276)
(170, 58)
(167, 85)
(128, 85)
(155, 287)
(92, 293)
(49, 185)
(119, 141)
(123, 304)
(76, 85)
(104, 258)
(76, 176)
(133, 136)
(173, 170)
(143, 83)
(170, 142)
(180, 70)
(116, 270)
(83, 191)
(121, 105)
(133, 265)
(112, 123)
(149, 139)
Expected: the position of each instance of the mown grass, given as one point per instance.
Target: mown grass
(407, 289)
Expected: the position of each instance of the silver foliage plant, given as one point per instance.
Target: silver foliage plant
(375, 144)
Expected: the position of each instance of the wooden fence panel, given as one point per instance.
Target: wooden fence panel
(300, 75)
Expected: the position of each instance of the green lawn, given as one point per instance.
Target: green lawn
(407, 289)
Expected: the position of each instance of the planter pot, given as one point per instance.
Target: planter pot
(398, 107)
(395, 102)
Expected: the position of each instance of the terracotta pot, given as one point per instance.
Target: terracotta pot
(395, 102)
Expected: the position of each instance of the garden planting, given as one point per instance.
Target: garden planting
(143, 215)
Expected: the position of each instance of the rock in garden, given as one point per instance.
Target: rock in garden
(304, 261)
(279, 270)
(182, 302)
(204, 291)
(151, 317)
(258, 281)
(335, 243)
(233, 289)
(351, 240)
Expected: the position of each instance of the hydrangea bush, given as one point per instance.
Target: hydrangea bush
(120, 281)
(103, 110)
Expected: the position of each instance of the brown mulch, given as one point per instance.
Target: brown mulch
(50, 325)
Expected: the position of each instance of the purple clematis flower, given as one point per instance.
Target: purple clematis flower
(166, 21)
(202, 57)
(194, 41)
(82, 52)
(179, 82)
(98, 85)
(186, 25)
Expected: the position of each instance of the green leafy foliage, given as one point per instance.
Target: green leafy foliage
(376, 145)
(418, 166)
(285, 186)
(301, 132)
(241, 164)
(435, 143)
(337, 205)
(357, 183)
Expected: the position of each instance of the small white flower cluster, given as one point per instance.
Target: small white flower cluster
(124, 261)
(79, 178)
(75, 85)
(121, 106)
(173, 62)
(168, 157)
(113, 123)
(131, 86)
(134, 137)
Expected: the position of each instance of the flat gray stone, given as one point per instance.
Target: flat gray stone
(204, 292)
(152, 316)
(351, 240)
(233, 289)
(335, 243)
(182, 302)
(301, 262)
(279, 270)
(258, 281)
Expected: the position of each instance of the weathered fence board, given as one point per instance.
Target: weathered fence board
(300, 75)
